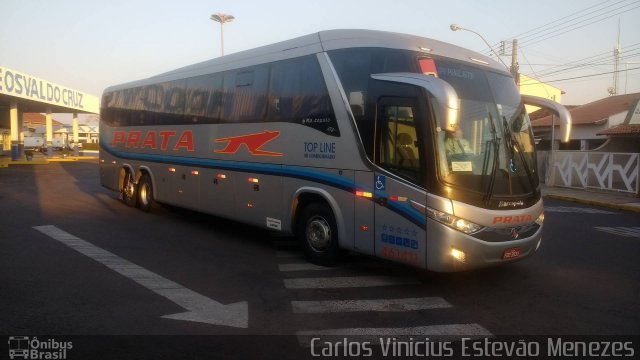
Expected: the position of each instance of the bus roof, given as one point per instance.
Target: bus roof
(315, 43)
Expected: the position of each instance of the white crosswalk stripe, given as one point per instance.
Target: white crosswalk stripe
(303, 267)
(346, 282)
(284, 254)
(381, 305)
(622, 231)
(291, 262)
(569, 209)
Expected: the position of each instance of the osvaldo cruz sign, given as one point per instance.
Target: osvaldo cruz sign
(19, 84)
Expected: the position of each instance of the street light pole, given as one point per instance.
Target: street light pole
(222, 19)
(456, 27)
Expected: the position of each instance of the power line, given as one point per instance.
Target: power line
(581, 77)
(585, 66)
(589, 61)
(540, 33)
(561, 31)
(542, 27)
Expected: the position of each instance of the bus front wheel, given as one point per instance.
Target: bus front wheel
(318, 234)
(129, 190)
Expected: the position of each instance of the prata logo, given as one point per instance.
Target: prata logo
(25, 347)
(252, 142)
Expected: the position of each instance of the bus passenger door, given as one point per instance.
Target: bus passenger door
(399, 196)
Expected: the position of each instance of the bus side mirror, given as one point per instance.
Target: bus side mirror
(445, 96)
(557, 109)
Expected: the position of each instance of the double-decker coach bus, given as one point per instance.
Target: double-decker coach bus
(344, 138)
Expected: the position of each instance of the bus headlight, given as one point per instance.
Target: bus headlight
(454, 222)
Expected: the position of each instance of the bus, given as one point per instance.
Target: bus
(339, 139)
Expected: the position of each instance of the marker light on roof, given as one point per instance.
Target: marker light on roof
(479, 61)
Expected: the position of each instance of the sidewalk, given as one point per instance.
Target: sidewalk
(41, 159)
(608, 199)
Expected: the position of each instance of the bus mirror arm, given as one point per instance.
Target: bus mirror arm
(443, 93)
(557, 109)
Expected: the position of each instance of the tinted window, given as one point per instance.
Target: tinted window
(354, 68)
(146, 105)
(469, 82)
(298, 94)
(203, 99)
(245, 94)
(400, 145)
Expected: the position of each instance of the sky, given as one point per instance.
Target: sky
(89, 45)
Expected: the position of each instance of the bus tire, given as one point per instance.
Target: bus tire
(145, 193)
(318, 234)
(129, 190)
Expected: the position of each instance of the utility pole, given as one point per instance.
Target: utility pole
(616, 65)
(514, 62)
(514, 68)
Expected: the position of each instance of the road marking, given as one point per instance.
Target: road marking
(622, 231)
(285, 243)
(382, 305)
(346, 282)
(303, 267)
(374, 335)
(283, 254)
(569, 209)
(199, 307)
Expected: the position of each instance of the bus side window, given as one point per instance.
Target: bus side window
(299, 95)
(245, 94)
(204, 99)
(399, 151)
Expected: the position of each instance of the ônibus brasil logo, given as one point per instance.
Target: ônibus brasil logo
(26, 347)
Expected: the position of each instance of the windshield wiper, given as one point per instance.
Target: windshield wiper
(515, 143)
(496, 159)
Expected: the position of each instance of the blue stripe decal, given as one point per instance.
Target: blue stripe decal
(404, 210)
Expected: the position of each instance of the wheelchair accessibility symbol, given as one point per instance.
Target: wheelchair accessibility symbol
(381, 182)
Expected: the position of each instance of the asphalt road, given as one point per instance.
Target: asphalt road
(584, 280)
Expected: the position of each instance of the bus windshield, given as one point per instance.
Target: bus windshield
(492, 150)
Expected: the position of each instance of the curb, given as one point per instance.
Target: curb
(622, 207)
(4, 164)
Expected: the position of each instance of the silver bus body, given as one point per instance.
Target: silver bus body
(267, 172)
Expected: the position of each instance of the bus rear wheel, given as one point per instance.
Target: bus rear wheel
(318, 234)
(129, 190)
(145, 193)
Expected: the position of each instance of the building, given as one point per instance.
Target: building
(531, 86)
(591, 122)
(21, 94)
(626, 136)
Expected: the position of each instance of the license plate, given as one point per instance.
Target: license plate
(511, 253)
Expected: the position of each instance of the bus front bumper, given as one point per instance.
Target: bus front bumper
(449, 250)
